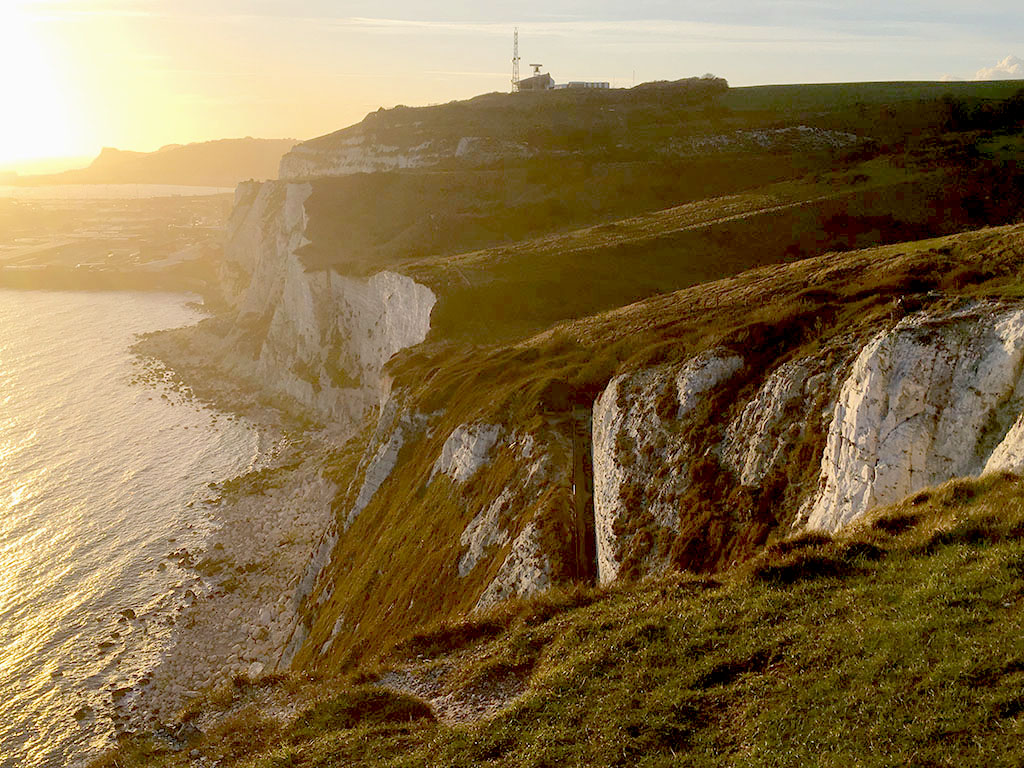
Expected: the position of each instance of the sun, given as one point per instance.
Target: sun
(35, 117)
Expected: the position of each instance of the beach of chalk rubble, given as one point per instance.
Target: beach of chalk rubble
(239, 618)
(240, 610)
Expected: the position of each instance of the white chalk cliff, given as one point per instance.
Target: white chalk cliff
(938, 396)
(934, 398)
(317, 339)
(857, 421)
(466, 451)
(638, 447)
(370, 147)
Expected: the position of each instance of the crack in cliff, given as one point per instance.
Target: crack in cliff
(583, 496)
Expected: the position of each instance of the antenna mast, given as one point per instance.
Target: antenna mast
(515, 63)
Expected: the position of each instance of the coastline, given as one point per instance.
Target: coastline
(241, 616)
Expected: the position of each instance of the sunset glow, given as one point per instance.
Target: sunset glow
(530, 382)
(78, 75)
(37, 121)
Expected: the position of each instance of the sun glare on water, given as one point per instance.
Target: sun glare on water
(34, 120)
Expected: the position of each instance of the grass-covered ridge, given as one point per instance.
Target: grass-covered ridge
(514, 246)
(896, 643)
(597, 157)
(828, 305)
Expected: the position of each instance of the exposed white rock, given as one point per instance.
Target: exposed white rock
(794, 138)
(377, 471)
(526, 444)
(488, 149)
(359, 153)
(632, 444)
(757, 438)
(611, 423)
(361, 149)
(700, 376)
(525, 571)
(324, 337)
(933, 399)
(1009, 454)
(485, 531)
(395, 427)
(466, 450)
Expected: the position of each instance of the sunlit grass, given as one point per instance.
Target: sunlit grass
(897, 642)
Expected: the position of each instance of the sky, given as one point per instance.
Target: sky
(78, 75)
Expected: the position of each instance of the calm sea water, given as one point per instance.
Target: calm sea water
(101, 479)
(109, 191)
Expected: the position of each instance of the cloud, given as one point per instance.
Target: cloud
(634, 31)
(1010, 68)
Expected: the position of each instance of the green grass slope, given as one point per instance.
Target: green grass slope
(533, 280)
(897, 643)
(819, 97)
(778, 313)
(516, 245)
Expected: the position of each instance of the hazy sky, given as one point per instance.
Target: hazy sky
(76, 75)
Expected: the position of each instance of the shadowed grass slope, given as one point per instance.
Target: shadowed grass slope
(896, 643)
(771, 315)
(515, 245)
(777, 312)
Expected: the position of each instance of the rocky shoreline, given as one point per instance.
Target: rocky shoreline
(240, 616)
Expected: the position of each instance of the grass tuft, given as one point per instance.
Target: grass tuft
(447, 637)
(365, 706)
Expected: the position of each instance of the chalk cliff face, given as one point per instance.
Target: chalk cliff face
(317, 343)
(938, 396)
(357, 153)
(641, 461)
(694, 463)
(364, 148)
(471, 515)
(932, 399)
(318, 340)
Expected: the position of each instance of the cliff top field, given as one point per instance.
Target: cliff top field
(895, 642)
(778, 311)
(682, 188)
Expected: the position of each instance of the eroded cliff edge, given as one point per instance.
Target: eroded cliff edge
(440, 321)
(692, 461)
(705, 423)
(314, 342)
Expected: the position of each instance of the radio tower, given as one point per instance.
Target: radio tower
(515, 63)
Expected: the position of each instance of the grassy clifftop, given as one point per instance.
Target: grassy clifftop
(684, 193)
(773, 314)
(776, 310)
(895, 643)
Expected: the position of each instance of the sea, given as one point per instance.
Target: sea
(104, 475)
(108, 191)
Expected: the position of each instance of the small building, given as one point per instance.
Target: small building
(580, 84)
(537, 83)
